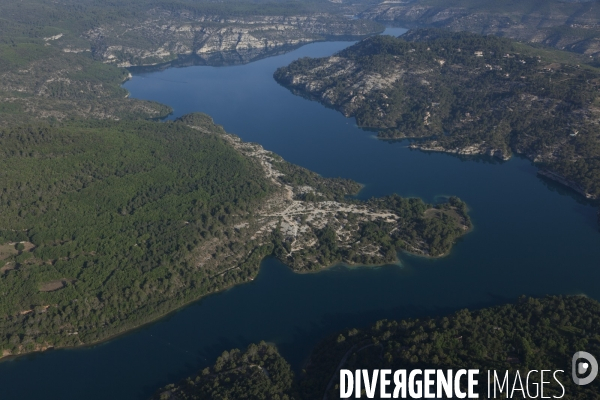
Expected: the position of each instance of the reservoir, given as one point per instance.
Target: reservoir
(530, 237)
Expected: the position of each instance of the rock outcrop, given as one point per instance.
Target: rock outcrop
(162, 36)
(568, 25)
(465, 94)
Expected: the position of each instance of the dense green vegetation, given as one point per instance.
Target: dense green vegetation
(115, 212)
(107, 225)
(438, 225)
(421, 229)
(38, 81)
(325, 189)
(466, 93)
(258, 373)
(532, 334)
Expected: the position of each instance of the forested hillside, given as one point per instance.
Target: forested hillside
(532, 334)
(258, 373)
(105, 217)
(107, 225)
(467, 94)
(42, 82)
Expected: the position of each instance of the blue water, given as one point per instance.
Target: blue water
(531, 237)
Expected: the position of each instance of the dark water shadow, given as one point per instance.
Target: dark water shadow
(307, 339)
(236, 57)
(217, 59)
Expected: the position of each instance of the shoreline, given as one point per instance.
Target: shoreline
(556, 177)
(127, 331)
(253, 150)
(541, 171)
(349, 266)
(472, 150)
(282, 205)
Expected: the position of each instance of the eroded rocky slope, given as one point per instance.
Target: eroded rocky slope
(568, 25)
(163, 35)
(466, 94)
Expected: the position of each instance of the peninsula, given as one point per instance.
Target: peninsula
(111, 219)
(107, 225)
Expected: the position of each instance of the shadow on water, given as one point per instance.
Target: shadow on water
(230, 58)
(297, 350)
(220, 59)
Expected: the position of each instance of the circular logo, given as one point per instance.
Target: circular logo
(590, 364)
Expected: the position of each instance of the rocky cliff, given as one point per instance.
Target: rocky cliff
(163, 35)
(568, 25)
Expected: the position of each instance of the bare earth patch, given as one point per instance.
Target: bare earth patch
(28, 246)
(55, 285)
(7, 250)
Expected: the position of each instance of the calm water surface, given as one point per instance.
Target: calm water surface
(531, 237)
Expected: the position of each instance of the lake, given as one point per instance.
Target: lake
(531, 237)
